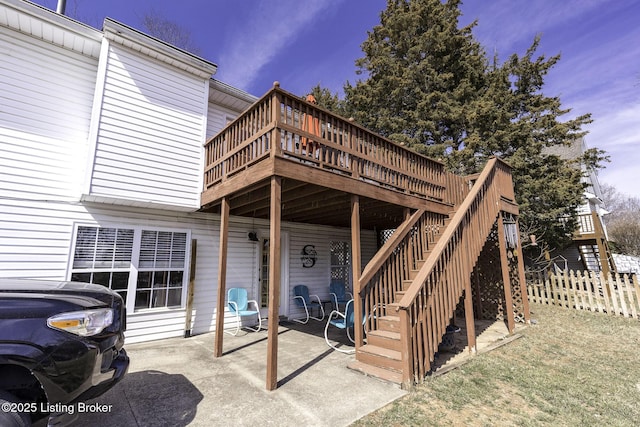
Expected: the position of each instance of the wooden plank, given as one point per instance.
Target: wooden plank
(506, 281)
(222, 276)
(563, 289)
(618, 288)
(302, 172)
(190, 289)
(522, 278)
(356, 261)
(553, 285)
(237, 182)
(634, 283)
(572, 291)
(585, 288)
(599, 284)
(406, 354)
(274, 283)
(613, 297)
(630, 294)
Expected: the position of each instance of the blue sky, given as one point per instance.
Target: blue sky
(305, 42)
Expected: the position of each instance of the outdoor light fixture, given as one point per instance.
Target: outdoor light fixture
(532, 238)
(253, 236)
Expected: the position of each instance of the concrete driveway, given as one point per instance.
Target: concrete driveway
(178, 382)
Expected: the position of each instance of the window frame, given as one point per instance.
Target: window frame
(134, 268)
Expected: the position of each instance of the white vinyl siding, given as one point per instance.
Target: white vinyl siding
(218, 117)
(318, 277)
(150, 135)
(36, 242)
(46, 95)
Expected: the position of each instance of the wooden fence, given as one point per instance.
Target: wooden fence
(617, 295)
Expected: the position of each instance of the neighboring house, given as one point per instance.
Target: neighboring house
(589, 249)
(104, 178)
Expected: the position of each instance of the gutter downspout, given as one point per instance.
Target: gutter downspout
(62, 5)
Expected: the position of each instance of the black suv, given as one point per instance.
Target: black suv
(60, 344)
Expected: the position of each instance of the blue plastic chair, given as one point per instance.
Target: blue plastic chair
(304, 300)
(339, 293)
(238, 303)
(342, 321)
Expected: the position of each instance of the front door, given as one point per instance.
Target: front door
(263, 275)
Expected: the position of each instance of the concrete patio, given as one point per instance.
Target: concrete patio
(178, 382)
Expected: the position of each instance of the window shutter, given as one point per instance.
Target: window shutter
(163, 249)
(103, 248)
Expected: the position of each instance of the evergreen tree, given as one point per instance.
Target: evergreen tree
(428, 84)
(328, 100)
(517, 122)
(423, 75)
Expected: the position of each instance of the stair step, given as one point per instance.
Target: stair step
(375, 371)
(389, 323)
(392, 309)
(413, 273)
(385, 339)
(406, 283)
(399, 295)
(380, 357)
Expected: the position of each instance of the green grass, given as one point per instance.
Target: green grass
(571, 368)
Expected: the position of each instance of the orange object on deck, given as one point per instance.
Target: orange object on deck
(311, 125)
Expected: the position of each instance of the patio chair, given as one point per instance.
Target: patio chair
(304, 300)
(341, 321)
(239, 305)
(339, 293)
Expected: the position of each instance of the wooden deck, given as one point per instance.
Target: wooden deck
(288, 160)
(321, 165)
(591, 240)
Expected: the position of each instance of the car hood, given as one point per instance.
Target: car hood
(60, 289)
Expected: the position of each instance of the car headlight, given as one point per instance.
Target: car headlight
(84, 323)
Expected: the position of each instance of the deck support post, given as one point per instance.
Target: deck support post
(222, 275)
(274, 282)
(469, 317)
(356, 267)
(506, 280)
(522, 278)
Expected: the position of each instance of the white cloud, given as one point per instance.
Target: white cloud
(269, 28)
(618, 133)
(598, 72)
(506, 24)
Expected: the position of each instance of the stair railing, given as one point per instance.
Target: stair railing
(384, 275)
(429, 303)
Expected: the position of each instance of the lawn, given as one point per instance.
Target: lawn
(570, 368)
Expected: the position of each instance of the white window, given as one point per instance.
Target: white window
(148, 268)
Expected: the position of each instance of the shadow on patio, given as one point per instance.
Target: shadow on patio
(315, 388)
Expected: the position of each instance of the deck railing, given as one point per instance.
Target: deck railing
(428, 305)
(283, 125)
(586, 224)
(386, 273)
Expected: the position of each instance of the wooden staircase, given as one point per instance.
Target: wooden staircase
(381, 356)
(412, 286)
